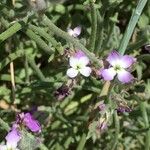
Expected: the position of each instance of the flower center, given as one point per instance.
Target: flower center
(117, 68)
(78, 67)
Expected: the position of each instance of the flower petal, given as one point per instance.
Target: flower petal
(3, 147)
(86, 71)
(70, 32)
(31, 123)
(126, 61)
(12, 138)
(108, 74)
(79, 54)
(83, 61)
(72, 72)
(73, 61)
(113, 58)
(77, 31)
(125, 76)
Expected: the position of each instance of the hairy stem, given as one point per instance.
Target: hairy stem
(11, 57)
(10, 31)
(36, 69)
(39, 41)
(47, 37)
(64, 35)
(146, 121)
(93, 28)
(117, 129)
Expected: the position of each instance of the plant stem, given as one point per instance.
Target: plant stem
(100, 30)
(4, 125)
(82, 142)
(36, 69)
(130, 28)
(117, 128)
(39, 41)
(145, 117)
(7, 77)
(10, 31)
(26, 65)
(47, 37)
(93, 28)
(11, 57)
(64, 35)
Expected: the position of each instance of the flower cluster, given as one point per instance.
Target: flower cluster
(14, 135)
(119, 66)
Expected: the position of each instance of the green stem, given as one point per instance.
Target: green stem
(79, 7)
(93, 28)
(82, 142)
(47, 37)
(4, 22)
(11, 57)
(117, 128)
(146, 121)
(26, 65)
(4, 125)
(100, 31)
(36, 69)
(130, 28)
(64, 35)
(7, 77)
(39, 41)
(10, 31)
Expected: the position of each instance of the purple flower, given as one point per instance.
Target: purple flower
(28, 120)
(31, 123)
(74, 32)
(12, 139)
(102, 125)
(78, 64)
(123, 109)
(118, 66)
(102, 106)
(79, 54)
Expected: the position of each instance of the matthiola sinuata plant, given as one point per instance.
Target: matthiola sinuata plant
(119, 66)
(78, 63)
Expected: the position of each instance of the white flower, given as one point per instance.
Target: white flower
(74, 32)
(7, 147)
(79, 64)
